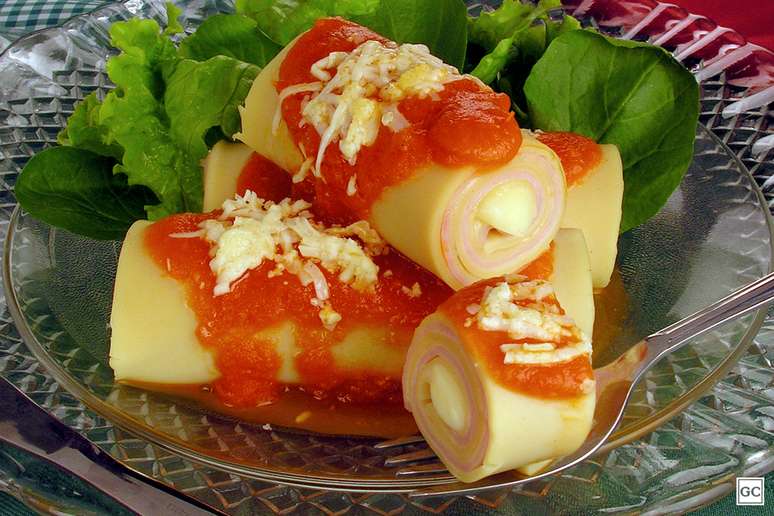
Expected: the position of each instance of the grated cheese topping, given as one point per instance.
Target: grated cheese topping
(251, 230)
(530, 314)
(357, 92)
(352, 185)
(413, 292)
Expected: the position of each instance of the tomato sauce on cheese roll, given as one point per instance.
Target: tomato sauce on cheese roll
(500, 377)
(388, 133)
(259, 298)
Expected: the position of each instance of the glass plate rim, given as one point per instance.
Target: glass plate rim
(634, 432)
(180, 447)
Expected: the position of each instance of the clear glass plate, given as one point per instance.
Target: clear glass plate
(713, 236)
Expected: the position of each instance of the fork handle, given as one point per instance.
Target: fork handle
(758, 293)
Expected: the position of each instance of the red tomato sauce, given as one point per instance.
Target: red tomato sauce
(578, 154)
(266, 179)
(563, 380)
(541, 267)
(464, 124)
(228, 324)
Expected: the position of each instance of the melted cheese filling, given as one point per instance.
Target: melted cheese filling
(357, 92)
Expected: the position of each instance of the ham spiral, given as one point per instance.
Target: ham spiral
(465, 224)
(477, 423)
(473, 247)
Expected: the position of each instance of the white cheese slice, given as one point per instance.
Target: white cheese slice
(571, 278)
(221, 170)
(153, 330)
(594, 207)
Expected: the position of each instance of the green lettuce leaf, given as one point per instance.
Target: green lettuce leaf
(490, 28)
(173, 23)
(217, 87)
(163, 108)
(86, 132)
(514, 36)
(135, 114)
(630, 94)
(153, 130)
(76, 189)
(439, 24)
(231, 35)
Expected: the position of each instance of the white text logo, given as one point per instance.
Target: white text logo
(749, 491)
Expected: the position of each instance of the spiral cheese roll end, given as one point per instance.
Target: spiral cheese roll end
(465, 224)
(499, 378)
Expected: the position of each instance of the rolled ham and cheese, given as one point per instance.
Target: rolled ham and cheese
(432, 159)
(261, 297)
(566, 264)
(600, 225)
(499, 377)
(154, 326)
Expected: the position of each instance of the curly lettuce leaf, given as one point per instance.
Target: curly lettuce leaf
(173, 22)
(231, 35)
(76, 189)
(633, 95)
(85, 131)
(163, 108)
(216, 87)
(135, 114)
(152, 131)
(439, 24)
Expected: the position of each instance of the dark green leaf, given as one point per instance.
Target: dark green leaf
(283, 20)
(554, 30)
(231, 35)
(75, 189)
(439, 24)
(630, 94)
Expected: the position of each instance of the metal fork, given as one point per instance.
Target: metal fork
(615, 384)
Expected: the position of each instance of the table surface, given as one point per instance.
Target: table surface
(752, 18)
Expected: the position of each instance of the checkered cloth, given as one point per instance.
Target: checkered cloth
(18, 17)
(29, 15)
